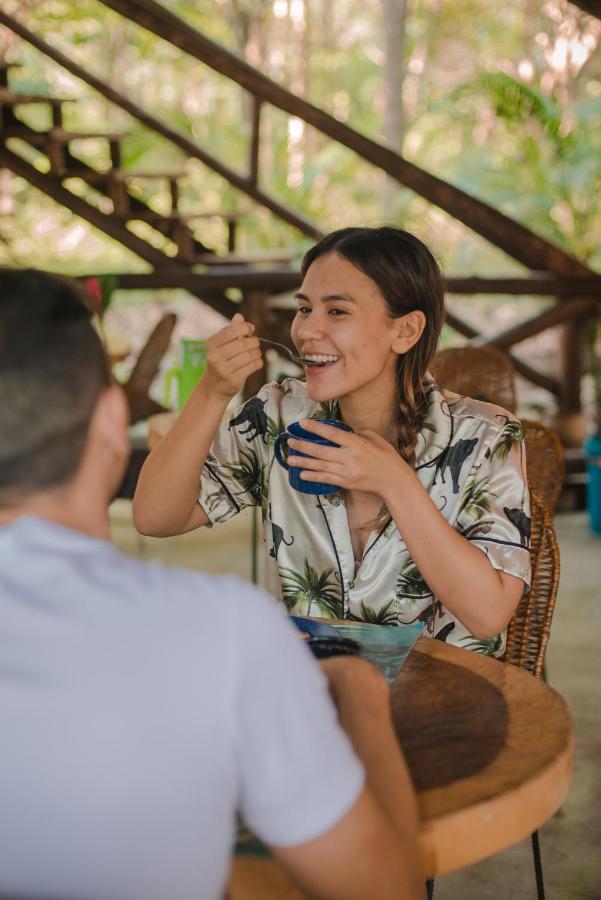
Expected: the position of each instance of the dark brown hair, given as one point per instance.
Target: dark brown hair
(52, 371)
(409, 278)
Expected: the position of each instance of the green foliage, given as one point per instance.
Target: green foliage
(537, 156)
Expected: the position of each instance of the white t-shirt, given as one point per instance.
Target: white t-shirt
(140, 707)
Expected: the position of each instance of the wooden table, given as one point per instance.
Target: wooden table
(489, 749)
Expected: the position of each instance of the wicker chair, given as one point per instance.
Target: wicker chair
(528, 631)
(144, 372)
(544, 462)
(484, 373)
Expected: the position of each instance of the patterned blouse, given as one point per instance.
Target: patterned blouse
(470, 458)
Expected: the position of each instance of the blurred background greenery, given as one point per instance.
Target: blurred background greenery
(502, 100)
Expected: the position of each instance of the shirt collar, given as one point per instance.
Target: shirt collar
(437, 429)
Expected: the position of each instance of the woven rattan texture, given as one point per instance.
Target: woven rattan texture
(529, 629)
(545, 462)
(484, 373)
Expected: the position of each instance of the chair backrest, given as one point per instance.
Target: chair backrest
(145, 370)
(484, 373)
(529, 629)
(545, 462)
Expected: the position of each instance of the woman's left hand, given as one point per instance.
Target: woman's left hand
(364, 461)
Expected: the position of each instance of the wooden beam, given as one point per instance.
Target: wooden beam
(592, 7)
(255, 142)
(511, 237)
(581, 307)
(538, 283)
(179, 139)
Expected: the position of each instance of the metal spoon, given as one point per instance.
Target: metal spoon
(299, 360)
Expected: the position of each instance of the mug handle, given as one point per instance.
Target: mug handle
(170, 374)
(278, 451)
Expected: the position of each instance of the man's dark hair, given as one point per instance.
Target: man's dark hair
(52, 370)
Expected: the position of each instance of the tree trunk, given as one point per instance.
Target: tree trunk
(394, 13)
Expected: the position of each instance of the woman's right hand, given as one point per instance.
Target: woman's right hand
(232, 355)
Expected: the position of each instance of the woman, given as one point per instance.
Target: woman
(432, 520)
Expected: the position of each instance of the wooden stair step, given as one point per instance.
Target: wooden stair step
(151, 215)
(120, 175)
(57, 135)
(14, 98)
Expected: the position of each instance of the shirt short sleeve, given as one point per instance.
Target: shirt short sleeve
(234, 474)
(299, 774)
(494, 507)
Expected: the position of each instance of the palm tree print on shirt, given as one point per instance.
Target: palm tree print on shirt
(383, 616)
(411, 584)
(512, 435)
(328, 409)
(249, 473)
(488, 646)
(474, 505)
(308, 591)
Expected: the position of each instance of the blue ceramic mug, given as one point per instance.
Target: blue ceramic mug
(295, 430)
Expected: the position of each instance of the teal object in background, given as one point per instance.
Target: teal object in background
(592, 449)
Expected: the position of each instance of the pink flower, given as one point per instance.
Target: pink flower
(95, 294)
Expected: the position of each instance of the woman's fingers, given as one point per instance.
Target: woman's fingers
(316, 450)
(308, 462)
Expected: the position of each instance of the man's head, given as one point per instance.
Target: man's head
(54, 386)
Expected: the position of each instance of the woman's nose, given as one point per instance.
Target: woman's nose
(309, 327)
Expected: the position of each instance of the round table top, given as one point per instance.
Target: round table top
(489, 749)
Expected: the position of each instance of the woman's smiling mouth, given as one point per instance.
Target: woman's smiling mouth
(320, 360)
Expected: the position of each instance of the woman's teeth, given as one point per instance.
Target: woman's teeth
(320, 358)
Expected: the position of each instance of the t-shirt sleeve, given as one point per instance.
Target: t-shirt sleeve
(299, 775)
(495, 505)
(234, 474)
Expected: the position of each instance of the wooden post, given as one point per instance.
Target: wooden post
(115, 151)
(569, 422)
(254, 309)
(232, 224)
(255, 142)
(174, 194)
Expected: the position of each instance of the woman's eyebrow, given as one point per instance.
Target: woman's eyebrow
(324, 299)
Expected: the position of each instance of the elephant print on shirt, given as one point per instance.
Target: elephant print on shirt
(453, 458)
(277, 536)
(521, 521)
(252, 412)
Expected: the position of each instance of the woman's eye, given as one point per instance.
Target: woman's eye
(304, 310)
(336, 311)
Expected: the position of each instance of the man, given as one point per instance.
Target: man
(142, 706)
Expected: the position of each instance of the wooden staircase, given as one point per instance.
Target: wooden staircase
(186, 260)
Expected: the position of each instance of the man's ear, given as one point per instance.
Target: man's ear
(110, 422)
(409, 330)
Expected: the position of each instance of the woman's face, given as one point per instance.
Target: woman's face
(343, 318)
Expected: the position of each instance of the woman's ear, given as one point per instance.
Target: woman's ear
(409, 329)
